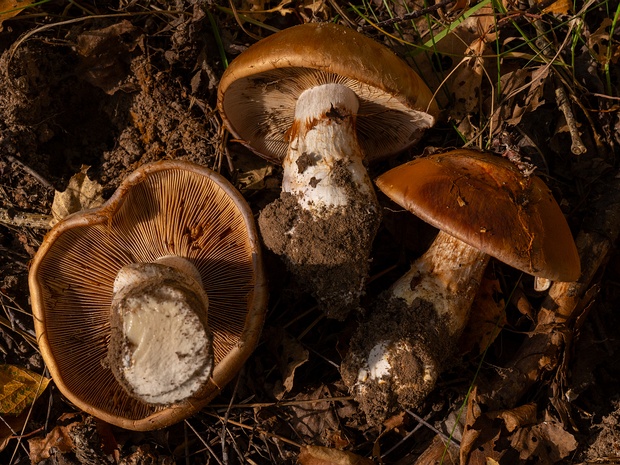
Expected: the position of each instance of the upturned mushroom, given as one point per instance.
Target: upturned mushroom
(146, 307)
(484, 207)
(323, 100)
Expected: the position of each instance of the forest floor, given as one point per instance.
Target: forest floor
(105, 87)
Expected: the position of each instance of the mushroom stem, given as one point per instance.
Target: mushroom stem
(328, 214)
(160, 345)
(448, 275)
(396, 355)
(324, 159)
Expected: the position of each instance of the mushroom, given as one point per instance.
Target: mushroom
(146, 307)
(484, 207)
(322, 100)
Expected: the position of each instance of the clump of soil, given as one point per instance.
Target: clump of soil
(410, 335)
(327, 256)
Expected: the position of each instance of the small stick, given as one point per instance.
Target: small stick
(16, 219)
(577, 146)
(44, 182)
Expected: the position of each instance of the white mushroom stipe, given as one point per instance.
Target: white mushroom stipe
(378, 362)
(324, 222)
(323, 137)
(161, 346)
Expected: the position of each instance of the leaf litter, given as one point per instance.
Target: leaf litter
(116, 92)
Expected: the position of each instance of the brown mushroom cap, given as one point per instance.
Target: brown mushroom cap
(486, 202)
(258, 91)
(163, 208)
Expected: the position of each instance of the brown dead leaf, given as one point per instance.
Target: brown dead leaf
(518, 417)
(522, 92)
(487, 318)
(259, 9)
(545, 443)
(531, 96)
(59, 439)
(19, 388)
(11, 8)
(509, 435)
(311, 10)
(394, 422)
(315, 420)
(436, 453)
(451, 51)
(81, 194)
(290, 355)
(561, 7)
(600, 41)
(105, 55)
(317, 455)
(252, 171)
(467, 81)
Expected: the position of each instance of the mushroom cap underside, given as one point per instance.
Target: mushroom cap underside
(258, 91)
(164, 208)
(488, 203)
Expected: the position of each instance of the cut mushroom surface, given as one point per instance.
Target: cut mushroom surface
(164, 209)
(322, 100)
(484, 207)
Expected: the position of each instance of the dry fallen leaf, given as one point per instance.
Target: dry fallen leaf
(600, 41)
(19, 388)
(290, 354)
(258, 9)
(314, 417)
(519, 417)
(544, 443)
(467, 81)
(316, 455)
(10, 8)
(81, 194)
(437, 453)
(105, 55)
(252, 171)
(57, 440)
(312, 9)
(561, 7)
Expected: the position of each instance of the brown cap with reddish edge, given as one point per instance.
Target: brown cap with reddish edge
(258, 91)
(168, 208)
(488, 203)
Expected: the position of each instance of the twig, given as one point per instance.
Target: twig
(257, 429)
(432, 428)
(225, 422)
(19, 219)
(288, 403)
(44, 182)
(577, 146)
(204, 443)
